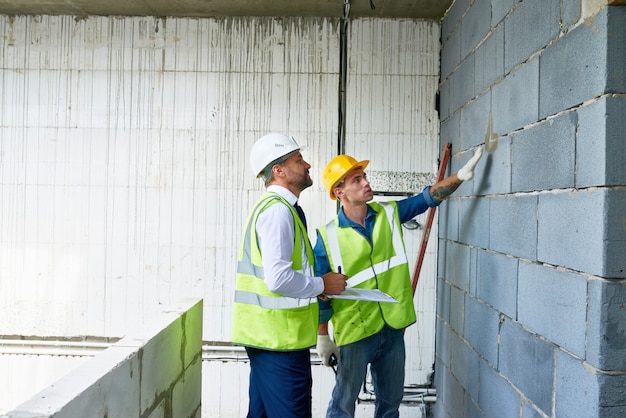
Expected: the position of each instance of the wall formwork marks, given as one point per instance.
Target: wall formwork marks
(124, 142)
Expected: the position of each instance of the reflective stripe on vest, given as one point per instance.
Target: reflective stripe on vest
(262, 318)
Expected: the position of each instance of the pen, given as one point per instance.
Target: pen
(339, 269)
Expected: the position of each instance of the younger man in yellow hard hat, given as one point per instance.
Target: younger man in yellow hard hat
(364, 241)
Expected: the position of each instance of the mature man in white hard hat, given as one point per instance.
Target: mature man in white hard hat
(365, 242)
(276, 311)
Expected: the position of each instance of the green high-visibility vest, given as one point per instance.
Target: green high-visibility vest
(382, 265)
(264, 319)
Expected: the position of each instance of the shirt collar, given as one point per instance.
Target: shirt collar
(285, 193)
(345, 221)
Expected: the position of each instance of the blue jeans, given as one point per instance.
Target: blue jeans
(280, 383)
(385, 353)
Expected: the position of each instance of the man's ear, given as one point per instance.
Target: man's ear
(338, 192)
(277, 169)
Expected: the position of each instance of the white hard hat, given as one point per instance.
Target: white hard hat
(269, 148)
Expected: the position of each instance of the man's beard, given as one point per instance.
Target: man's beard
(303, 183)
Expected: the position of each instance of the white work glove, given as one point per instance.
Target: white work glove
(467, 171)
(325, 348)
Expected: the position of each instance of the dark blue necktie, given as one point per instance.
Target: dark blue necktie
(300, 214)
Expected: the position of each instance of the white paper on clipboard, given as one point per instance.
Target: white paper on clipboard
(371, 295)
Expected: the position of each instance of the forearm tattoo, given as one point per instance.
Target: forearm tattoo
(441, 192)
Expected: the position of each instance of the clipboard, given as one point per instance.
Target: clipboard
(370, 295)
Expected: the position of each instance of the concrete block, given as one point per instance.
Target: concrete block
(441, 370)
(448, 213)
(85, 391)
(192, 333)
(158, 351)
(600, 152)
(442, 344)
(450, 130)
(474, 120)
(615, 251)
(499, 9)
(474, 222)
(473, 271)
(116, 393)
(576, 392)
(553, 303)
(529, 411)
(442, 382)
(527, 361)
(490, 60)
(443, 300)
(544, 155)
(530, 27)
(475, 27)
(457, 310)
(160, 411)
(496, 396)
(616, 49)
(580, 218)
(471, 408)
(497, 282)
(453, 396)
(606, 329)
(493, 172)
(457, 265)
(574, 68)
(442, 255)
(187, 392)
(612, 392)
(514, 226)
(461, 84)
(516, 99)
(481, 328)
(464, 365)
(170, 339)
(453, 18)
(612, 411)
(570, 13)
(615, 234)
(452, 57)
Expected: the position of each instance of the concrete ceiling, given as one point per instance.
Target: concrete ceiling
(416, 9)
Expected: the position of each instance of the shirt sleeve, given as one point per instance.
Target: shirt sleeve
(412, 206)
(322, 266)
(275, 230)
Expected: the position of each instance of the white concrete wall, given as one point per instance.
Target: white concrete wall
(124, 156)
(155, 371)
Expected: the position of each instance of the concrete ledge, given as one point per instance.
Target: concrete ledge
(156, 368)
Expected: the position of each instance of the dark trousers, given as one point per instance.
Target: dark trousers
(280, 383)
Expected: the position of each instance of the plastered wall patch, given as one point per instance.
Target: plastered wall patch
(491, 138)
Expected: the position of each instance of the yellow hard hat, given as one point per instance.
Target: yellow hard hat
(337, 168)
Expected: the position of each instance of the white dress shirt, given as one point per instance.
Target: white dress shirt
(275, 230)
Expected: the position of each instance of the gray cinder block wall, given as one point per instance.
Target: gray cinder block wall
(532, 253)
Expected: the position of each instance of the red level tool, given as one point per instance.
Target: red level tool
(430, 216)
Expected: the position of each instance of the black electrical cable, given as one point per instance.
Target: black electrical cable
(343, 75)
